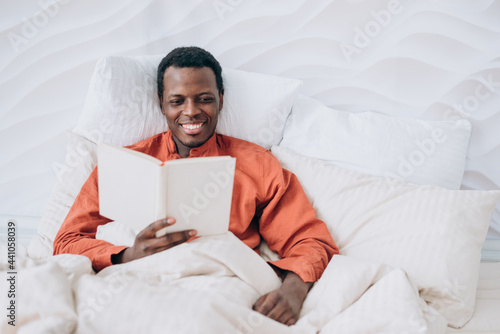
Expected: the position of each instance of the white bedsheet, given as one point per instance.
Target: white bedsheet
(209, 286)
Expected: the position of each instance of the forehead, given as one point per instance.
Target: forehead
(189, 80)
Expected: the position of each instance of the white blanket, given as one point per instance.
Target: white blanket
(209, 286)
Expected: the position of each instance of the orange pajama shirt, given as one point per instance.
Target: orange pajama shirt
(268, 202)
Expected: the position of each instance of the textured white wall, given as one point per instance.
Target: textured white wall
(413, 58)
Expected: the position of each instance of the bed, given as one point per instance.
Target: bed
(397, 122)
(410, 243)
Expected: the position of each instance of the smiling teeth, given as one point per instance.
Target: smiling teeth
(192, 126)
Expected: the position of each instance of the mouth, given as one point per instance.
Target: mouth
(192, 128)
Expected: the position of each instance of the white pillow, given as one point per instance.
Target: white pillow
(122, 106)
(434, 234)
(414, 150)
(81, 158)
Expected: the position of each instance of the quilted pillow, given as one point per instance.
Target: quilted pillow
(409, 149)
(122, 106)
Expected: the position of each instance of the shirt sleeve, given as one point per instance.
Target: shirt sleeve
(290, 227)
(78, 231)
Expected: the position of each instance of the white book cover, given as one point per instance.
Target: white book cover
(138, 189)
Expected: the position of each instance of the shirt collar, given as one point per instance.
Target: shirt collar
(209, 148)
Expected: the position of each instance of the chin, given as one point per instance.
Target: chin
(192, 142)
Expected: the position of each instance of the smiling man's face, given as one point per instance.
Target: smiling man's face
(191, 103)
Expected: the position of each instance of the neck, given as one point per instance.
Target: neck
(184, 153)
(182, 149)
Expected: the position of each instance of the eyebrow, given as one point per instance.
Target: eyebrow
(180, 95)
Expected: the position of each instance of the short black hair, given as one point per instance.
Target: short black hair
(189, 56)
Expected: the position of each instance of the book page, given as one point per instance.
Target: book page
(199, 194)
(127, 186)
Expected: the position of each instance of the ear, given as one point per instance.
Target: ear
(221, 99)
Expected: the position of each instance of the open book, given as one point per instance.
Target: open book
(138, 189)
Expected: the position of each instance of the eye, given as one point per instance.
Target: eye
(175, 102)
(206, 99)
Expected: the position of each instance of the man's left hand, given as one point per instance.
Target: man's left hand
(284, 304)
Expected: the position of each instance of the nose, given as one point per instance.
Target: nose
(191, 108)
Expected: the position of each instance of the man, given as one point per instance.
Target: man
(268, 201)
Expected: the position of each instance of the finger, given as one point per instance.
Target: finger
(151, 229)
(155, 245)
(258, 303)
(176, 238)
(291, 321)
(173, 239)
(267, 303)
(289, 318)
(145, 247)
(279, 312)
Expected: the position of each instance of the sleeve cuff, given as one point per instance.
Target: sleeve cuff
(103, 260)
(307, 271)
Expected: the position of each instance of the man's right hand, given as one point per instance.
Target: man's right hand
(146, 242)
